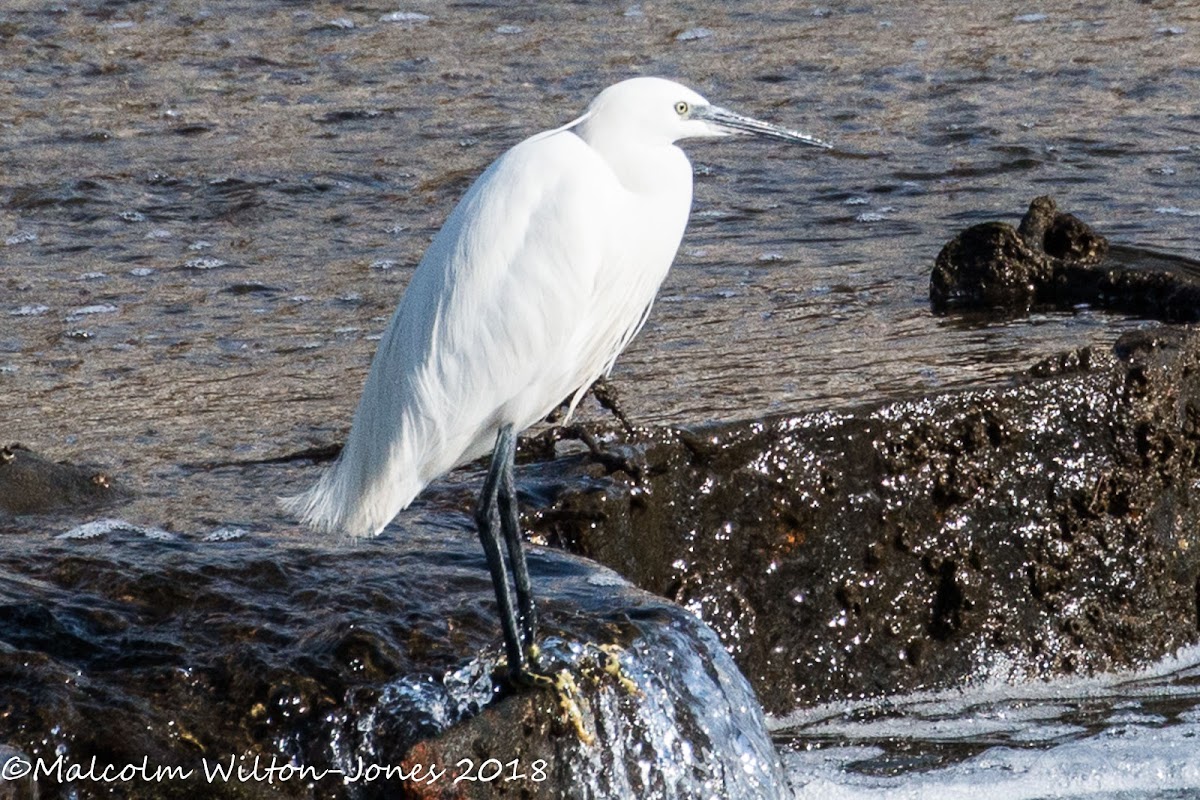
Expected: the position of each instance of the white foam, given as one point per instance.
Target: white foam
(102, 527)
(1034, 744)
(1138, 761)
(226, 533)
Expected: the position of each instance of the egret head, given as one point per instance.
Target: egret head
(656, 110)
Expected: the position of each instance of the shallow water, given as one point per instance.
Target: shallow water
(207, 212)
(210, 213)
(1116, 737)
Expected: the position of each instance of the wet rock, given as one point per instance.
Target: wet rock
(684, 725)
(367, 666)
(1038, 529)
(1063, 236)
(1055, 260)
(988, 266)
(14, 785)
(32, 484)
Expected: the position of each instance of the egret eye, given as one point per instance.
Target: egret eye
(681, 108)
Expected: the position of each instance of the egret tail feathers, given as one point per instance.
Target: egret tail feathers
(338, 504)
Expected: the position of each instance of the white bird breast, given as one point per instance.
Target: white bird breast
(539, 275)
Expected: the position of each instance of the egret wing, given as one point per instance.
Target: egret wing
(483, 336)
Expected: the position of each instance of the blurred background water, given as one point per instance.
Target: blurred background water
(209, 210)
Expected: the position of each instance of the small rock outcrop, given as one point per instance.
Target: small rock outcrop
(33, 484)
(1056, 260)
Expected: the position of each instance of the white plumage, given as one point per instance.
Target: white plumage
(540, 276)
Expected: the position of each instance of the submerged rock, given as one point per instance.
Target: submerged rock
(32, 484)
(1039, 529)
(1056, 260)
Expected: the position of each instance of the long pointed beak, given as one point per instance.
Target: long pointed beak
(733, 123)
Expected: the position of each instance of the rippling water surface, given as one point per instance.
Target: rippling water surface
(1119, 737)
(208, 211)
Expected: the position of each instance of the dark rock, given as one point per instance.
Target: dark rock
(988, 265)
(1055, 260)
(190, 653)
(1063, 236)
(31, 484)
(1039, 529)
(14, 785)
(694, 731)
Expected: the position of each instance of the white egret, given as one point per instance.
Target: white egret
(541, 275)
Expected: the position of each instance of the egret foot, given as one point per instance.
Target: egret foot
(608, 398)
(528, 673)
(612, 461)
(542, 446)
(568, 695)
(610, 655)
(565, 690)
(606, 395)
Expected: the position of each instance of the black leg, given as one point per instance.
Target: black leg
(510, 523)
(488, 520)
